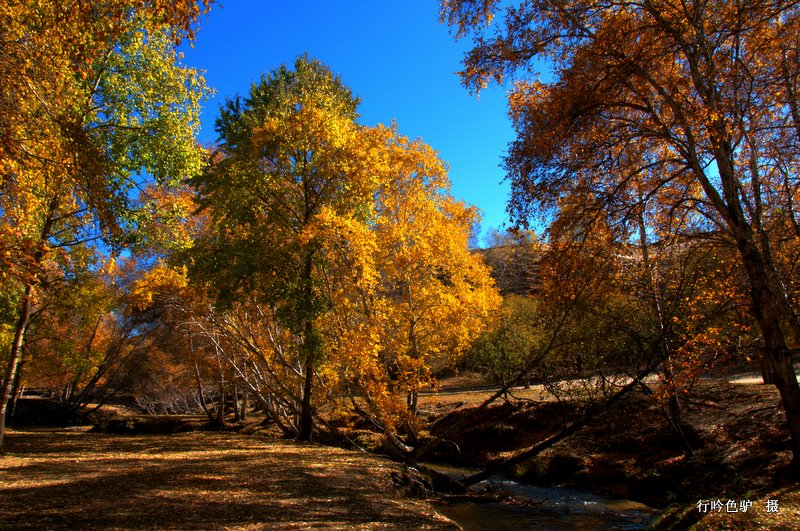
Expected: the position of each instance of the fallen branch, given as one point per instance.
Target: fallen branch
(591, 412)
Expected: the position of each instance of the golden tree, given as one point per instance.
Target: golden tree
(407, 294)
(693, 103)
(92, 93)
(347, 240)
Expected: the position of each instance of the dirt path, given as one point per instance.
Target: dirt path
(197, 480)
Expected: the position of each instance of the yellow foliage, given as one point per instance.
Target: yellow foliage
(408, 296)
(160, 280)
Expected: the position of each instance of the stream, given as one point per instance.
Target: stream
(541, 508)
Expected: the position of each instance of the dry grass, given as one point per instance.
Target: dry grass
(449, 399)
(784, 517)
(737, 432)
(74, 479)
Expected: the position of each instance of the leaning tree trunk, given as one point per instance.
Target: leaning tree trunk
(16, 390)
(768, 297)
(770, 308)
(243, 405)
(25, 312)
(767, 308)
(26, 308)
(568, 430)
(766, 371)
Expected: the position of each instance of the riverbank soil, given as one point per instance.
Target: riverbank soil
(73, 479)
(736, 432)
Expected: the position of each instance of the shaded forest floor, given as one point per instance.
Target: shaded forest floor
(70, 478)
(737, 432)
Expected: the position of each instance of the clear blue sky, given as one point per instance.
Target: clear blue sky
(394, 55)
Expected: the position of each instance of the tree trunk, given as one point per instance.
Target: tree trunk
(766, 370)
(237, 416)
(25, 311)
(306, 414)
(220, 416)
(411, 401)
(243, 405)
(769, 309)
(785, 380)
(201, 394)
(219, 419)
(16, 391)
(770, 305)
(306, 420)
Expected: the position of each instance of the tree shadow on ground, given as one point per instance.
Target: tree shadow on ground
(196, 480)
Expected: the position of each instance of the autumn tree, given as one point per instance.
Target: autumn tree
(76, 337)
(93, 99)
(408, 296)
(701, 98)
(178, 369)
(285, 153)
(503, 350)
(514, 258)
(438, 296)
(342, 242)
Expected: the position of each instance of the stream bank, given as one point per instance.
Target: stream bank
(741, 449)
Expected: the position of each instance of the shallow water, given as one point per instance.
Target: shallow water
(542, 508)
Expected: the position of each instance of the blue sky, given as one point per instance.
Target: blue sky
(394, 55)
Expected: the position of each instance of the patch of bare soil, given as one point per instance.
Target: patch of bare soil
(736, 432)
(74, 479)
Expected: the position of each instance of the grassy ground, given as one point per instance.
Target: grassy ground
(70, 478)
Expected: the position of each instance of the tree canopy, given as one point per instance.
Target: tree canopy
(337, 229)
(94, 100)
(685, 113)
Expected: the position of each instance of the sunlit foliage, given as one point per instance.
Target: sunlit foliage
(685, 113)
(93, 99)
(342, 241)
